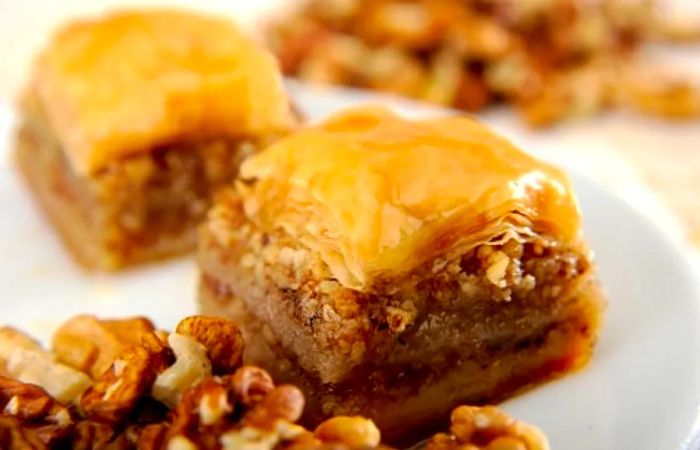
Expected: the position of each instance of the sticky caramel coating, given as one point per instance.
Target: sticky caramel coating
(424, 187)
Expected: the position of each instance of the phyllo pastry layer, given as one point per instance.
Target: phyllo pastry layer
(399, 267)
(132, 120)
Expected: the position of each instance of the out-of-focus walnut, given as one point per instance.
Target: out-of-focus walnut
(37, 416)
(91, 345)
(355, 432)
(14, 437)
(222, 339)
(251, 384)
(24, 401)
(283, 403)
(244, 410)
(38, 367)
(11, 339)
(189, 419)
(285, 435)
(470, 54)
(150, 437)
(191, 365)
(115, 394)
(657, 93)
(90, 435)
(676, 28)
(487, 428)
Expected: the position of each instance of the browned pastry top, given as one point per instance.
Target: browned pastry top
(375, 193)
(127, 82)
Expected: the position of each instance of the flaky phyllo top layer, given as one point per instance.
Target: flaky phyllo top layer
(377, 195)
(130, 81)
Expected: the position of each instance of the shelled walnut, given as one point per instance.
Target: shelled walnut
(23, 358)
(30, 416)
(92, 345)
(487, 428)
(221, 338)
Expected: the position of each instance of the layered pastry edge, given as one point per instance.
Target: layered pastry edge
(473, 323)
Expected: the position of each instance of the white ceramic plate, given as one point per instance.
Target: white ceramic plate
(641, 391)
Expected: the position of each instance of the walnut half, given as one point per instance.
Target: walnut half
(355, 432)
(25, 360)
(91, 345)
(487, 428)
(31, 417)
(221, 338)
(116, 394)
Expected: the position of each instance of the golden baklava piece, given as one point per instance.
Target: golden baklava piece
(131, 121)
(397, 268)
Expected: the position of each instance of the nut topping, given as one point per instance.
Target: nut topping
(222, 339)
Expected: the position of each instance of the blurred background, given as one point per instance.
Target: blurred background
(610, 88)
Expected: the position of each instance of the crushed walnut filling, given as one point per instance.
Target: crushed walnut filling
(165, 193)
(142, 206)
(422, 309)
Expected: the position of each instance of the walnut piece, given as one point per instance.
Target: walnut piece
(14, 437)
(90, 435)
(33, 417)
(191, 365)
(487, 428)
(662, 94)
(251, 385)
(222, 339)
(355, 432)
(11, 339)
(213, 413)
(116, 393)
(124, 356)
(284, 435)
(471, 54)
(92, 345)
(283, 403)
(38, 367)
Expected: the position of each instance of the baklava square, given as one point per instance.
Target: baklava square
(396, 268)
(131, 121)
